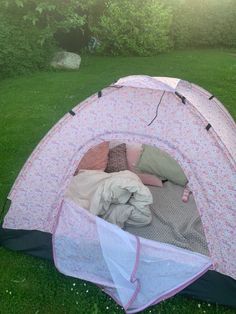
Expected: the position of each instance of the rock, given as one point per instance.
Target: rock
(66, 60)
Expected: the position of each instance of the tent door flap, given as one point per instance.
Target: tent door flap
(135, 271)
(144, 271)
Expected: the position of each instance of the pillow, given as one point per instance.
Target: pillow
(158, 162)
(117, 160)
(133, 154)
(114, 143)
(96, 158)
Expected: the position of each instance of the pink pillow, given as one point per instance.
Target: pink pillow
(133, 152)
(95, 159)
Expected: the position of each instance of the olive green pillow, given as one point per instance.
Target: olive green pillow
(159, 163)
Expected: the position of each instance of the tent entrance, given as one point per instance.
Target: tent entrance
(136, 272)
(173, 221)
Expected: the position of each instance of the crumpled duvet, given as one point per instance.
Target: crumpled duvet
(119, 197)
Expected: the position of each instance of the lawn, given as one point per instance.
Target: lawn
(29, 107)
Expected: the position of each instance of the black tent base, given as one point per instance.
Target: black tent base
(35, 243)
(212, 287)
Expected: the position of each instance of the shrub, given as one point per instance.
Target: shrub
(47, 16)
(134, 27)
(204, 23)
(20, 50)
(27, 29)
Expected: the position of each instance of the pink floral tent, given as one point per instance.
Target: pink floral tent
(179, 117)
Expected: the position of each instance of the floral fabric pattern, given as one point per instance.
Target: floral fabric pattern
(207, 156)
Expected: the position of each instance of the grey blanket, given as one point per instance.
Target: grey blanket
(174, 221)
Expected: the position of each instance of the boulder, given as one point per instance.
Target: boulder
(66, 60)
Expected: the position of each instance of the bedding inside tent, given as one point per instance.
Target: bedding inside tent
(173, 221)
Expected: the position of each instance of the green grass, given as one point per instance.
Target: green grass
(29, 107)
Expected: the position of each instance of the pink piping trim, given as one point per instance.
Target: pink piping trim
(112, 296)
(133, 275)
(133, 278)
(172, 292)
(54, 231)
(134, 296)
(167, 295)
(103, 283)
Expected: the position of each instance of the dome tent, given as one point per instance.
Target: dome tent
(180, 118)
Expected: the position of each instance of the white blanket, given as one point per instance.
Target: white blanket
(118, 197)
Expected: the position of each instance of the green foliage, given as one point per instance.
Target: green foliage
(147, 27)
(134, 27)
(47, 16)
(123, 27)
(204, 23)
(20, 49)
(27, 29)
